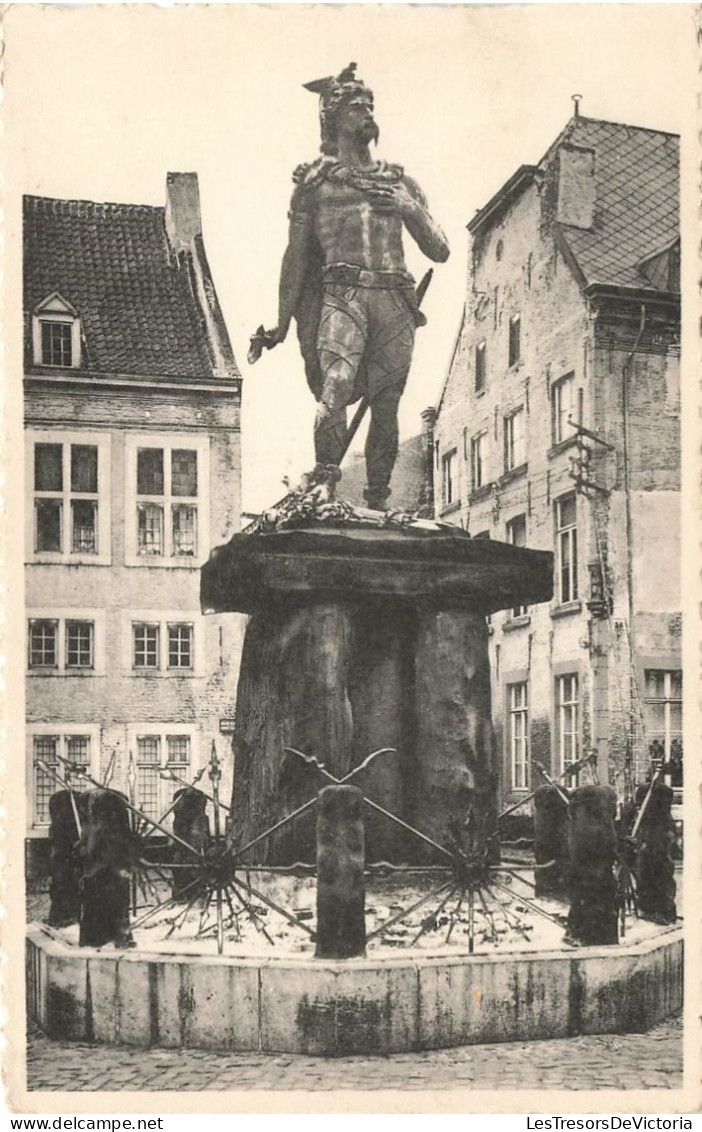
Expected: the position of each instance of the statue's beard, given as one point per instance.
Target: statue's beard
(369, 132)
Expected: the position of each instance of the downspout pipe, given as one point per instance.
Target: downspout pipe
(626, 370)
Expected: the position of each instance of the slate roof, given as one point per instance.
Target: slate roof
(637, 212)
(114, 264)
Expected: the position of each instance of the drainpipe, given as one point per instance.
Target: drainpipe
(626, 368)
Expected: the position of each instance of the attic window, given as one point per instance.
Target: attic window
(56, 343)
(56, 334)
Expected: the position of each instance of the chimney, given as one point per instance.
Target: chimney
(426, 508)
(576, 186)
(183, 220)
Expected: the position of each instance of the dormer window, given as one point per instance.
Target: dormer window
(56, 333)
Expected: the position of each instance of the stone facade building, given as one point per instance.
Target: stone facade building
(559, 428)
(132, 405)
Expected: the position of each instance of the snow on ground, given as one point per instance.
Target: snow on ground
(507, 918)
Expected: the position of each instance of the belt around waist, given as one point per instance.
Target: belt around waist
(354, 276)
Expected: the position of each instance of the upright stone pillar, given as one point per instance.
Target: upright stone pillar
(383, 711)
(455, 749)
(550, 841)
(66, 863)
(293, 692)
(341, 917)
(192, 825)
(106, 847)
(592, 841)
(655, 869)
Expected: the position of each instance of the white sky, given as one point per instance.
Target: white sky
(102, 103)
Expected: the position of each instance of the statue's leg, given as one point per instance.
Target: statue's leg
(388, 358)
(341, 342)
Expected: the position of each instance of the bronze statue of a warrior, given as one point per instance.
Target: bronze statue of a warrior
(344, 280)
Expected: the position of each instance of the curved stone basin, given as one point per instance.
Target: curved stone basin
(382, 1005)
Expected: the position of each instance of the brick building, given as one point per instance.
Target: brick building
(132, 406)
(559, 428)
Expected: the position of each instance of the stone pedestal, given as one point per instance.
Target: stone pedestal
(361, 638)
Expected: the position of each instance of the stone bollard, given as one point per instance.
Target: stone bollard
(66, 863)
(592, 844)
(655, 870)
(106, 848)
(341, 914)
(550, 841)
(192, 825)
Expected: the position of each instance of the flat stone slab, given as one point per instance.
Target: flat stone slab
(441, 567)
(354, 1006)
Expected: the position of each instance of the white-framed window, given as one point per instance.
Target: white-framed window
(516, 535)
(480, 366)
(515, 439)
(663, 708)
(56, 334)
(567, 720)
(157, 748)
(180, 644)
(69, 520)
(562, 407)
(167, 500)
(518, 734)
(515, 339)
(78, 743)
(66, 642)
(449, 478)
(566, 549)
(163, 642)
(478, 461)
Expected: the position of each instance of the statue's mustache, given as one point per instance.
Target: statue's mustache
(371, 130)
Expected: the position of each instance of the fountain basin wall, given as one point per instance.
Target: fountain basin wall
(356, 1006)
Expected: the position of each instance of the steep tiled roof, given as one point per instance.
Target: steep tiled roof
(114, 264)
(636, 200)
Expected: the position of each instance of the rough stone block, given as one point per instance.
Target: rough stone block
(627, 993)
(220, 1005)
(355, 1010)
(102, 976)
(481, 1000)
(134, 1000)
(66, 1000)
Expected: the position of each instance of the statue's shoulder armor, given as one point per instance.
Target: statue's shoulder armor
(313, 172)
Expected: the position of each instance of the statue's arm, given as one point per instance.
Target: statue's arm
(418, 221)
(295, 260)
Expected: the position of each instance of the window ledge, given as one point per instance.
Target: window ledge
(450, 507)
(70, 673)
(513, 474)
(513, 623)
(160, 674)
(158, 563)
(480, 392)
(49, 558)
(483, 492)
(562, 446)
(566, 609)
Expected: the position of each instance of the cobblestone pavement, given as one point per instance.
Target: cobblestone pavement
(609, 1061)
